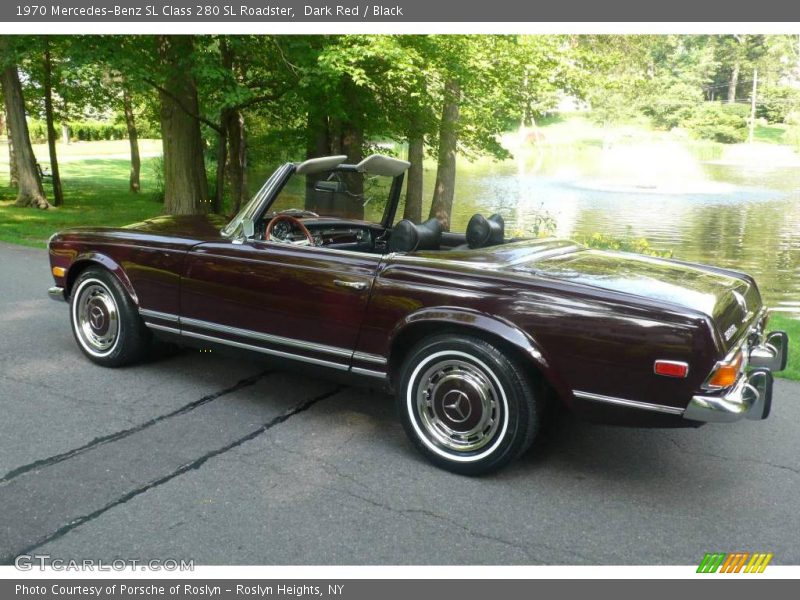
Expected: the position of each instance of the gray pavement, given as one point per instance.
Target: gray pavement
(226, 461)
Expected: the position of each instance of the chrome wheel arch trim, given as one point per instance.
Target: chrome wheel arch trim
(670, 410)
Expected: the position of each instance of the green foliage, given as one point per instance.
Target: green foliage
(776, 103)
(726, 123)
(626, 243)
(91, 131)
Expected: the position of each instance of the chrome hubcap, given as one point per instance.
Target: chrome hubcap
(97, 318)
(458, 406)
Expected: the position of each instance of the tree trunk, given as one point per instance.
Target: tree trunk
(733, 83)
(65, 133)
(222, 159)
(353, 147)
(185, 183)
(13, 177)
(444, 189)
(58, 193)
(29, 191)
(416, 154)
(237, 159)
(317, 144)
(133, 140)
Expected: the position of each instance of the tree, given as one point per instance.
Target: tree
(185, 183)
(29, 191)
(444, 189)
(58, 194)
(134, 184)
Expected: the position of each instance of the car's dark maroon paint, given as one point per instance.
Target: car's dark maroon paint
(592, 323)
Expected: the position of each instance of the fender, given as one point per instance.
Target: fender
(494, 326)
(106, 261)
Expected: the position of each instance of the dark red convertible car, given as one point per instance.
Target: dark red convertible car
(474, 332)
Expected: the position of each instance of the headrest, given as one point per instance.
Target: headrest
(482, 232)
(407, 237)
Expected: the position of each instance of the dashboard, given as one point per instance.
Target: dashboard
(325, 231)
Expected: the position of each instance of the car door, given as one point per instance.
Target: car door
(300, 302)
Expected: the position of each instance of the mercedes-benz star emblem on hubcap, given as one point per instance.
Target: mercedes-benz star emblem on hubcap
(455, 405)
(96, 317)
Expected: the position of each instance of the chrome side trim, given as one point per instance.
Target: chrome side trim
(162, 328)
(265, 337)
(154, 314)
(372, 358)
(368, 372)
(280, 353)
(670, 410)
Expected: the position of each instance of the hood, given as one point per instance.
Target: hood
(203, 227)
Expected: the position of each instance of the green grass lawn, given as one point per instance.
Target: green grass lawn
(773, 134)
(95, 193)
(790, 325)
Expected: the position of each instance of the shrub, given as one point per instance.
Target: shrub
(627, 243)
(726, 123)
(776, 103)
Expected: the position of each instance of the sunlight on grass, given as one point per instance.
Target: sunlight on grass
(96, 193)
(790, 325)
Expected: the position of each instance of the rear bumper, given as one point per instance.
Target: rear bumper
(750, 398)
(56, 293)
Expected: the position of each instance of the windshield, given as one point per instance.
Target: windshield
(249, 210)
(340, 193)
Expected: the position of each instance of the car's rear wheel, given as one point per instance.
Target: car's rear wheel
(467, 406)
(105, 321)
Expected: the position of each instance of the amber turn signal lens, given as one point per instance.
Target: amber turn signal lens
(59, 271)
(727, 373)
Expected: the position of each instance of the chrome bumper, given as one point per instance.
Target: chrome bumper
(56, 293)
(772, 353)
(750, 398)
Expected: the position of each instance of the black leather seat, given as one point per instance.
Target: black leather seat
(408, 237)
(483, 232)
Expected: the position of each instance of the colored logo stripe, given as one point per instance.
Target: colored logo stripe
(734, 562)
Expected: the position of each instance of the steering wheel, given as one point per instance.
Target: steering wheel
(294, 221)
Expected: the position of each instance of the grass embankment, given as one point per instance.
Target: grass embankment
(780, 321)
(94, 176)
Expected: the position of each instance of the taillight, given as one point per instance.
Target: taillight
(726, 373)
(671, 368)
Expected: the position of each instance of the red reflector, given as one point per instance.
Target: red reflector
(671, 368)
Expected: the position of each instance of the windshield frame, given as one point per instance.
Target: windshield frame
(244, 221)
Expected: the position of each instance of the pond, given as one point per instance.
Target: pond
(736, 207)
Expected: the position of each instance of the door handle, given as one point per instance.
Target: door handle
(353, 285)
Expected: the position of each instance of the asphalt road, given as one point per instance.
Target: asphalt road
(224, 461)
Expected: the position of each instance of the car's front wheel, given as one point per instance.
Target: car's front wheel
(468, 406)
(105, 321)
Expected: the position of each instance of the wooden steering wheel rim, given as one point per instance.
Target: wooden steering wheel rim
(294, 221)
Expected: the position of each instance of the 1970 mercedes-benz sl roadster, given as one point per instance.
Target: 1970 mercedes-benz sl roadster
(474, 332)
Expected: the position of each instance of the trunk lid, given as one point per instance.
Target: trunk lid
(730, 299)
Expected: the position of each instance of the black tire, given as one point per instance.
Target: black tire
(466, 405)
(105, 321)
